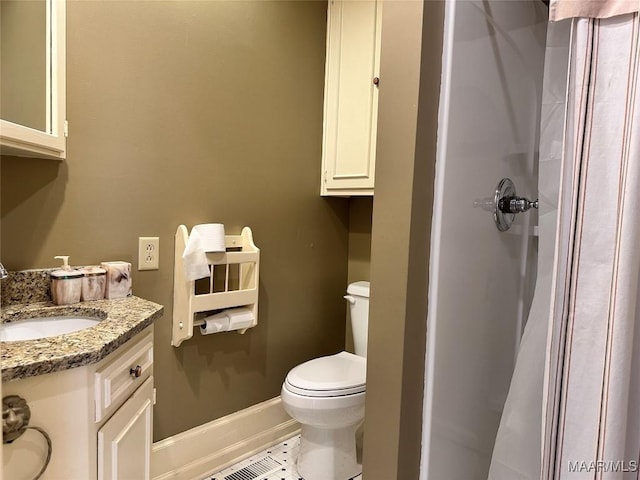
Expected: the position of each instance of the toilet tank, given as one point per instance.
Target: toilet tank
(358, 298)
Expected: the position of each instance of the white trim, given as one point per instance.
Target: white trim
(215, 445)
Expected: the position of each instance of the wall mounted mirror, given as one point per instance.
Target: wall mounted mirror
(32, 78)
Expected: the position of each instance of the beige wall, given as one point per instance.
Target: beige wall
(406, 148)
(360, 217)
(191, 112)
(359, 262)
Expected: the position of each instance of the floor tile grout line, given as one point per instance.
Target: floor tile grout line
(284, 453)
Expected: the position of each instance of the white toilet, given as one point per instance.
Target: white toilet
(326, 395)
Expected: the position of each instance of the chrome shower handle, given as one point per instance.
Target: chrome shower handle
(506, 204)
(516, 204)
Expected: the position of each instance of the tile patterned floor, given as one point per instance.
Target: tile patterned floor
(275, 463)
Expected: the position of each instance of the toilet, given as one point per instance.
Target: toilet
(326, 396)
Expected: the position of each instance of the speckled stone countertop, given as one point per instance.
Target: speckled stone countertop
(122, 320)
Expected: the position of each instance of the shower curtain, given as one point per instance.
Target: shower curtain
(592, 381)
(573, 410)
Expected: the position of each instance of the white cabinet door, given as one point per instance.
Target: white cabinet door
(124, 441)
(351, 97)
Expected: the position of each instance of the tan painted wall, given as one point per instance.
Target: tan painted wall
(405, 168)
(359, 262)
(190, 112)
(360, 217)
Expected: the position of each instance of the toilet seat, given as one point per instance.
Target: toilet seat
(335, 375)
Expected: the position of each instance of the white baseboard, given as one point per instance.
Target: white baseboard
(193, 454)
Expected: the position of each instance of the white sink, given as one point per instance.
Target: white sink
(42, 327)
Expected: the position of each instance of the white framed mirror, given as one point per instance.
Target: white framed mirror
(32, 78)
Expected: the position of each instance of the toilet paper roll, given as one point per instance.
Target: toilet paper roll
(240, 318)
(215, 323)
(211, 236)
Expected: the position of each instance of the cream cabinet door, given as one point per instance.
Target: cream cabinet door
(351, 97)
(124, 441)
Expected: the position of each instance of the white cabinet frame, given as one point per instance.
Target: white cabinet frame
(19, 140)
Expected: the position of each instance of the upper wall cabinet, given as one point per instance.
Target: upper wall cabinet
(32, 78)
(351, 97)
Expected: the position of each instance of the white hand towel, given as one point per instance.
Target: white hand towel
(194, 257)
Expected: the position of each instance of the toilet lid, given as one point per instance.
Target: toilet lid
(335, 375)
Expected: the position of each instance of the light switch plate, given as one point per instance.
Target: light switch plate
(148, 253)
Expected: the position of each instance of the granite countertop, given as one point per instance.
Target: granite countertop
(122, 320)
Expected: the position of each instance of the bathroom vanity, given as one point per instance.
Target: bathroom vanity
(91, 391)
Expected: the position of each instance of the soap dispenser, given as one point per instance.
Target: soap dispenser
(66, 283)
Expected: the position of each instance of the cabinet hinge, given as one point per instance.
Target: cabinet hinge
(324, 177)
(154, 396)
(66, 128)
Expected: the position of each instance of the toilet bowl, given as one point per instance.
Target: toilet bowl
(326, 396)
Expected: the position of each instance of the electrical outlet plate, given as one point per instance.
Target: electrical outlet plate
(148, 253)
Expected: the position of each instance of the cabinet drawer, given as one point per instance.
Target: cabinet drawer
(117, 380)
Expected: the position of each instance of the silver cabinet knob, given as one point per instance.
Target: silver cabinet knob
(135, 372)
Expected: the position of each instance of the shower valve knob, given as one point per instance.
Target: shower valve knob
(506, 203)
(516, 204)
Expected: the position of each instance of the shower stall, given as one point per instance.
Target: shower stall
(533, 331)
(482, 280)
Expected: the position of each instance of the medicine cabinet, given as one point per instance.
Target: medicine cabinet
(32, 78)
